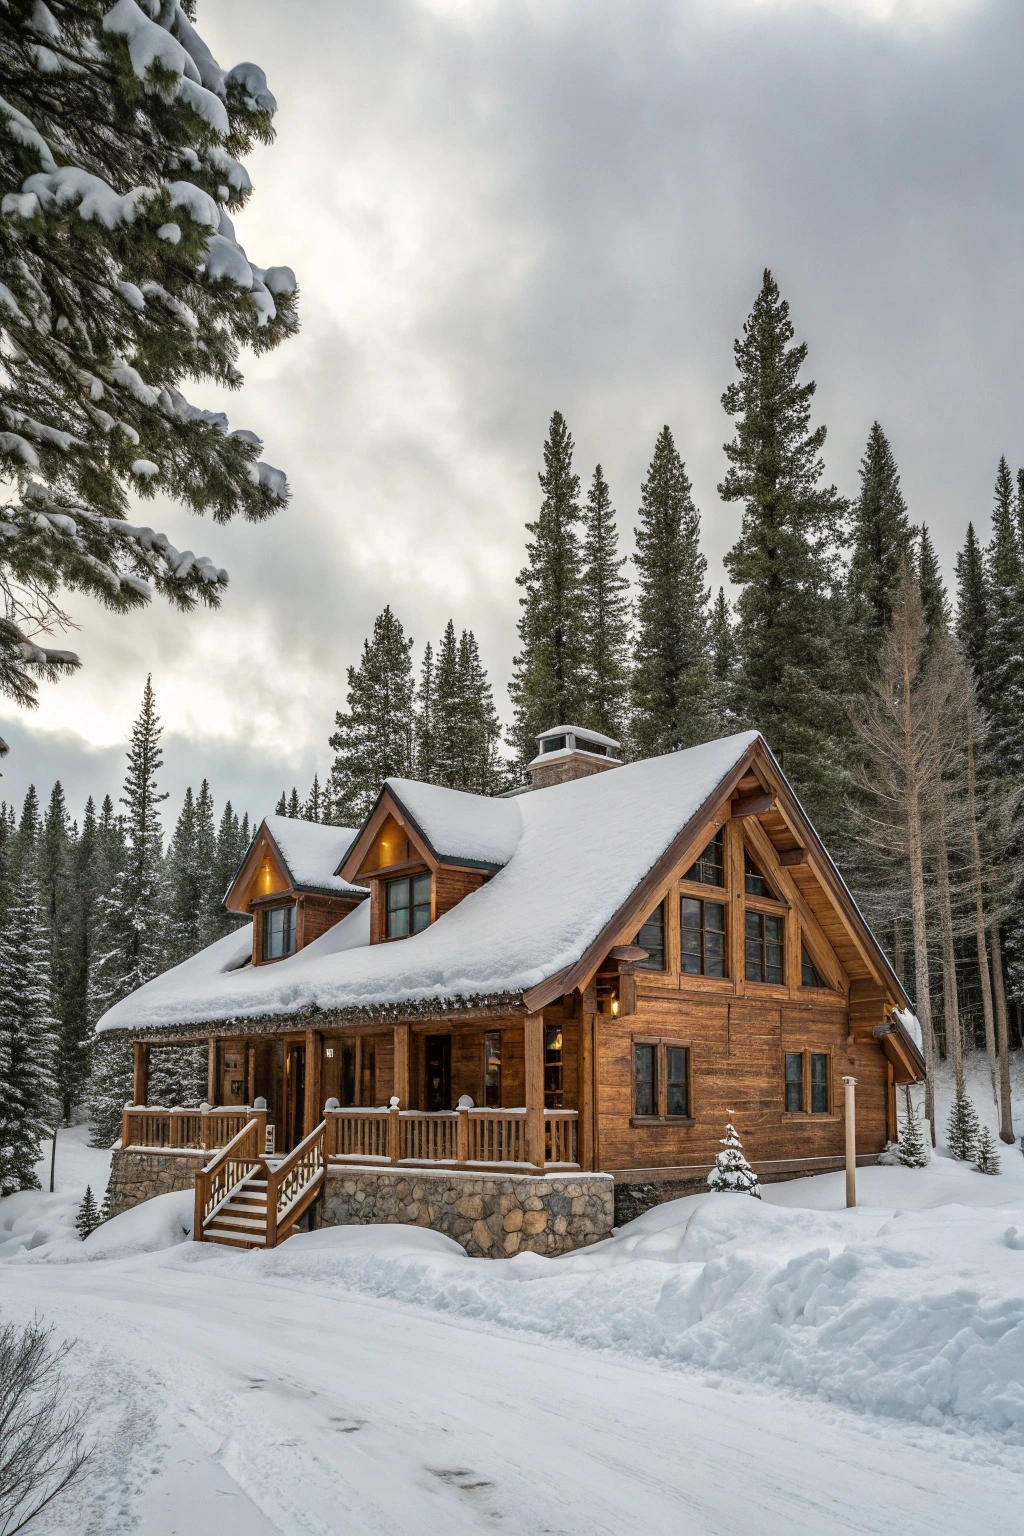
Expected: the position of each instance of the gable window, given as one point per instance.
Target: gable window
(492, 1068)
(661, 1080)
(652, 938)
(808, 971)
(552, 1066)
(807, 1082)
(709, 869)
(763, 947)
(408, 905)
(754, 883)
(702, 937)
(279, 932)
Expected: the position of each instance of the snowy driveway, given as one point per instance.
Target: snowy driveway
(258, 1405)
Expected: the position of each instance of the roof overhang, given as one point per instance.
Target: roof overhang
(388, 803)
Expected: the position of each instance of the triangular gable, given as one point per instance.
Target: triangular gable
(262, 872)
(393, 835)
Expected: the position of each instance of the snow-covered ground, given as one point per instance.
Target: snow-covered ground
(719, 1366)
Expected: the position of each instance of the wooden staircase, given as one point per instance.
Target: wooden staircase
(245, 1200)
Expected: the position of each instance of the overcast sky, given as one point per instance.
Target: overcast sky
(499, 207)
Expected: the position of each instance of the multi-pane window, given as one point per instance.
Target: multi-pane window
(754, 883)
(763, 947)
(808, 971)
(408, 905)
(278, 932)
(652, 938)
(552, 1066)
(807, 1082)
(710, 867)
(661, 1080)
(702, 937)
(492, 1068)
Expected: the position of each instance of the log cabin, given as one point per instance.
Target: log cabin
(514, 1018)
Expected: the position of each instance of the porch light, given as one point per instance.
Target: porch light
(615, 1007)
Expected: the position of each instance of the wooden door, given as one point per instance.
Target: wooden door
(438, 1055)
(295, 1094)
(232, 1074)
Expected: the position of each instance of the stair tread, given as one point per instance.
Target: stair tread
(236, 1239)
(237, 1221)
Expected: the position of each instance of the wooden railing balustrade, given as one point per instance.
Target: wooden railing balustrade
(184, 1130)
(361, 1133)
(227, 1170)
(479, 1138)
(293, 1184)
(561, 1136)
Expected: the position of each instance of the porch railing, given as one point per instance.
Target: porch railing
(293, 1184)
(182, 1130)
(233, 1164)
(478, 1138)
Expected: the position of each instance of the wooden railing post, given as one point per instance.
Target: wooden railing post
(174, 1124)
(533, 1050)
(394, 1132)
(140, 1072)
(462, 1135)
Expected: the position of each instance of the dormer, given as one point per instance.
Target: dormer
(288, 885)
(423, 849)
(571, 752)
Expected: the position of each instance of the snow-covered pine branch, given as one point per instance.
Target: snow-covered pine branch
(120, 276)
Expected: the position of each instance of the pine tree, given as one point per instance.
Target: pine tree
(313, 810)
(881, 539)
(962, 1127)
(723, 660)
(457, 727)
(1001, 693)
(88, 1218)
(281, 808)
(972, 614)
(484, 771)
(426, 709)
(232, 845)
(670, 687)
(190, 879)
(56, 895)
(449, 713)
(294, 807)
(605, 615)
(123, 279)
(934, 599)
(549, 684)
(374, 739)
(27, 1042)
(732, 1174)
(913, 1150)
(75, 1036)
(986, 1155)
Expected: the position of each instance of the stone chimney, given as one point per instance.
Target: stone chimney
(570, 752)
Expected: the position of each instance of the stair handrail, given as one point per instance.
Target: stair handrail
(276, 1177)
(221, 1176)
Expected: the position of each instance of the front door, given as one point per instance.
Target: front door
(439, 1072)
(295, 1094)
(232, 1074)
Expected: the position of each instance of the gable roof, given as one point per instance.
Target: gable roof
(309, 853)
(453, 827)
(585, 865)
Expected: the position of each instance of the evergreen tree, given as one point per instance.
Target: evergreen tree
(881, 539)
(458, 727)
(934, 600)
(962, 1127)
(732, 1174)
(426, 709)
(313, 810)
(27, 1087)
(88, 1218)
(107, 313)
(972, 614)
(294, 807)
(986, 1155)
(449, 713)
(483, 768)
(374, 738)
(789, 672)
(74, 1028)
(670, 687)
(549, 684)
(187, 886)
(1001, 693)
(281, 808)
(605, 616)
(723, 659)
(232, 846)
(913, 1149)
(56, 896)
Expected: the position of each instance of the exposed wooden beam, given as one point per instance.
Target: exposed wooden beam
(791, 857)
(753, 805)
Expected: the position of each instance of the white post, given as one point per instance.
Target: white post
(851, 1140)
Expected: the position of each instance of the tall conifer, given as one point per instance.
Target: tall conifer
(934, 598)
(972, 615)
(27, 1088)
(605, 616)
(426, 711)
(548, 684)
(723, 662)
(1002, 690)
(75, 1036)
(789, 673)
(881, 539)
(671, 680)
(374, 737)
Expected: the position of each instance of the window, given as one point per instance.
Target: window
(492, 1068)
(553, 744)
(279, 932)
(710, 867)
(408, 905)
(808, 972)
(754, 882)
(552, 1066)
(661, 1080)
(807, 1082)
(652, 938)
(702, 937)
(763, 935)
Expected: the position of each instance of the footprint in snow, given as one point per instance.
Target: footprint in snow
(462, 1478)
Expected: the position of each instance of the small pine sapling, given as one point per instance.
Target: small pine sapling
(105, 1211)
(913, 1149)
(732, 1173)
(88, 1218)
(962, 1127)
(986, 1158)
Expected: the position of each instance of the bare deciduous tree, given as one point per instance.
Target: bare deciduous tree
(42, 1447)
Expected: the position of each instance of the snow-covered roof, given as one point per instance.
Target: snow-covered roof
(573, 855)
(313, 851)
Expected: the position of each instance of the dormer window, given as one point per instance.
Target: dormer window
(279, 932)
(408, 905)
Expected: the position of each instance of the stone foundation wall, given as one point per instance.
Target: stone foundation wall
(138, 1176)
(492, 1215)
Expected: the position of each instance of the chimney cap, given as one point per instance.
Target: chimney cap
(576, 738)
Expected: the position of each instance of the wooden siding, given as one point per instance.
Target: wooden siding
(451, 885)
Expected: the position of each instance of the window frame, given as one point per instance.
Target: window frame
(281, 906)
(646, 965)
(408, 881)
(705, 901)
(807, 959)
(489, 1036)
(554, 1070)
(806, 1086)
(661, 1044)
(764, 915)
(696, 879)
